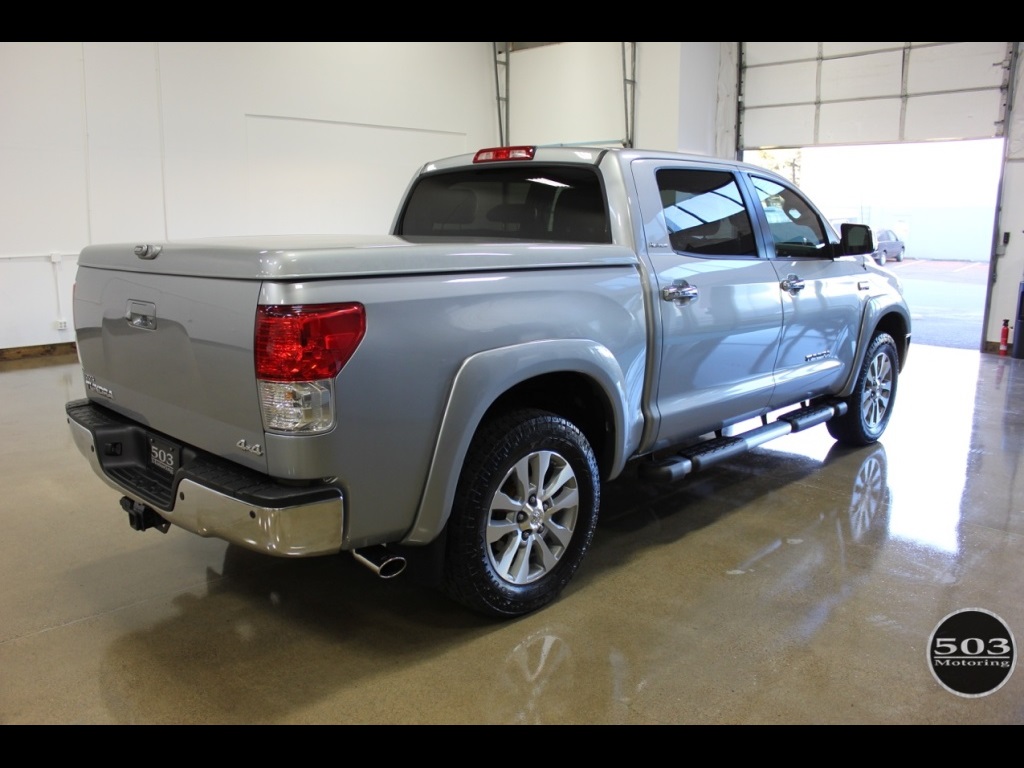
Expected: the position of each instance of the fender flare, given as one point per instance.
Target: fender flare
(480, 381)
(874, 316)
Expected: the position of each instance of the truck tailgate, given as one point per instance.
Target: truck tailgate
(175, 353)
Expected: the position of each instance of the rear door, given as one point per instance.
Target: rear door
(718, 298)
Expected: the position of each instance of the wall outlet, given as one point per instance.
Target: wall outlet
(62, 325)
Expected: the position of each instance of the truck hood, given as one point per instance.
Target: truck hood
(288, 257)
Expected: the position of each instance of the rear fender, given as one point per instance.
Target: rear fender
(481, 380)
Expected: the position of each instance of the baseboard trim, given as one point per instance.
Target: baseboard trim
(69, 348)
(42, 350)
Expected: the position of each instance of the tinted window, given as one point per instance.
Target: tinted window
(522, 202)
(704, 213)
(794, 225)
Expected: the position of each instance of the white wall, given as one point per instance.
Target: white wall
(699, 129)
(142, 141)
(567, 93)
(1009, 267)
(1008, 262)
(686, 97)
(134, 142)
(574, 93)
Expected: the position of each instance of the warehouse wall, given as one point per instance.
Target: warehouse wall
(575, 93)
(127, 142)
(139, 141)
(1008, 261)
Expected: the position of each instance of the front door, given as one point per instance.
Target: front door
(823, 296)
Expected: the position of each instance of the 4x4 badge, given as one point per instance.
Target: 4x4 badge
(255, 449)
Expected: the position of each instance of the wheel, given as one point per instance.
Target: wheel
(870, 405)
(524, 514)
(899, 256)
(881, 259)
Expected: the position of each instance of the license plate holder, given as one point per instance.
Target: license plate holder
(164, 455)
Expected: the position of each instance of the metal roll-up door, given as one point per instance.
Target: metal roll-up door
(822, 94)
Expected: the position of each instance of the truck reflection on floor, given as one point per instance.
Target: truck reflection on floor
(323, 632)
(801, 578)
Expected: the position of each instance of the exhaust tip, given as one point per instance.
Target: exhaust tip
(382, 562)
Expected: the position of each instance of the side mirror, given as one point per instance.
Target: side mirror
(856, 239)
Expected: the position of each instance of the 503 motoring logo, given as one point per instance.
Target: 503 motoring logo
(972, 653)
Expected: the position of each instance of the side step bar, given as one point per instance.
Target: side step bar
(703, 455)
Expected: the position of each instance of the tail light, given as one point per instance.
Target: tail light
(299, 351)
(498, 154)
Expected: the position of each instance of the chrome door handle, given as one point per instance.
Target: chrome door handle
(793, 284)
(680, 292)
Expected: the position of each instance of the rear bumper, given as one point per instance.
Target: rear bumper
(210, 496)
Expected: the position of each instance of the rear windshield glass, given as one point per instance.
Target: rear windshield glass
(526, 202)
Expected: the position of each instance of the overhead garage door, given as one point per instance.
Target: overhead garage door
(819, 94)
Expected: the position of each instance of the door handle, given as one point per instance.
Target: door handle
(793, 284)
(680, 292)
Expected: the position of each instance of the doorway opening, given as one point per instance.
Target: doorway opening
(937, 198)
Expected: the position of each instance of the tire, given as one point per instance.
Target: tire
(899, 256)
(871, 403)
(881, 259)
(524, 514)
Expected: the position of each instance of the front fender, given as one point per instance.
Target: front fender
(481, 380)
(881, 313)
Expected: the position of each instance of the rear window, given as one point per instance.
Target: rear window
(523, 202)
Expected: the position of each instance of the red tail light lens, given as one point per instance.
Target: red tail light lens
(307, 342)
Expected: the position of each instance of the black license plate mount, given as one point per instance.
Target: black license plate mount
(164, 455)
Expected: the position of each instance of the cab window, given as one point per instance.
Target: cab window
(795, 227)
(704, 213)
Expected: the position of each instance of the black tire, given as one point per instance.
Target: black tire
(870, 405)
(881, 259)
(899, 256)
(510, 549)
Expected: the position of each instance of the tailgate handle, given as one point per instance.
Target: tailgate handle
(147, 252)
(141, 314)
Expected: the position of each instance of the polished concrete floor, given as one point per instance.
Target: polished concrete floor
(799, 584)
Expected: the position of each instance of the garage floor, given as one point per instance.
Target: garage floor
(797, 584)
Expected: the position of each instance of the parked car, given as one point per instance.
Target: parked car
(888, 246)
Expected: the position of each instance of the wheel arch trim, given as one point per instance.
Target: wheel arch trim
(876, 313)
(485, 377)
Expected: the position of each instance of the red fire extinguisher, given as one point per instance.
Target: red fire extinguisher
(1004, 337)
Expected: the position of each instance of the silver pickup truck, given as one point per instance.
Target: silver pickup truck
(538, 320)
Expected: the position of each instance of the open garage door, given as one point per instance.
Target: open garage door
(821, 94)
(920, 128)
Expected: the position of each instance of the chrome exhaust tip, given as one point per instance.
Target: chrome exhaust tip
(379, 560)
